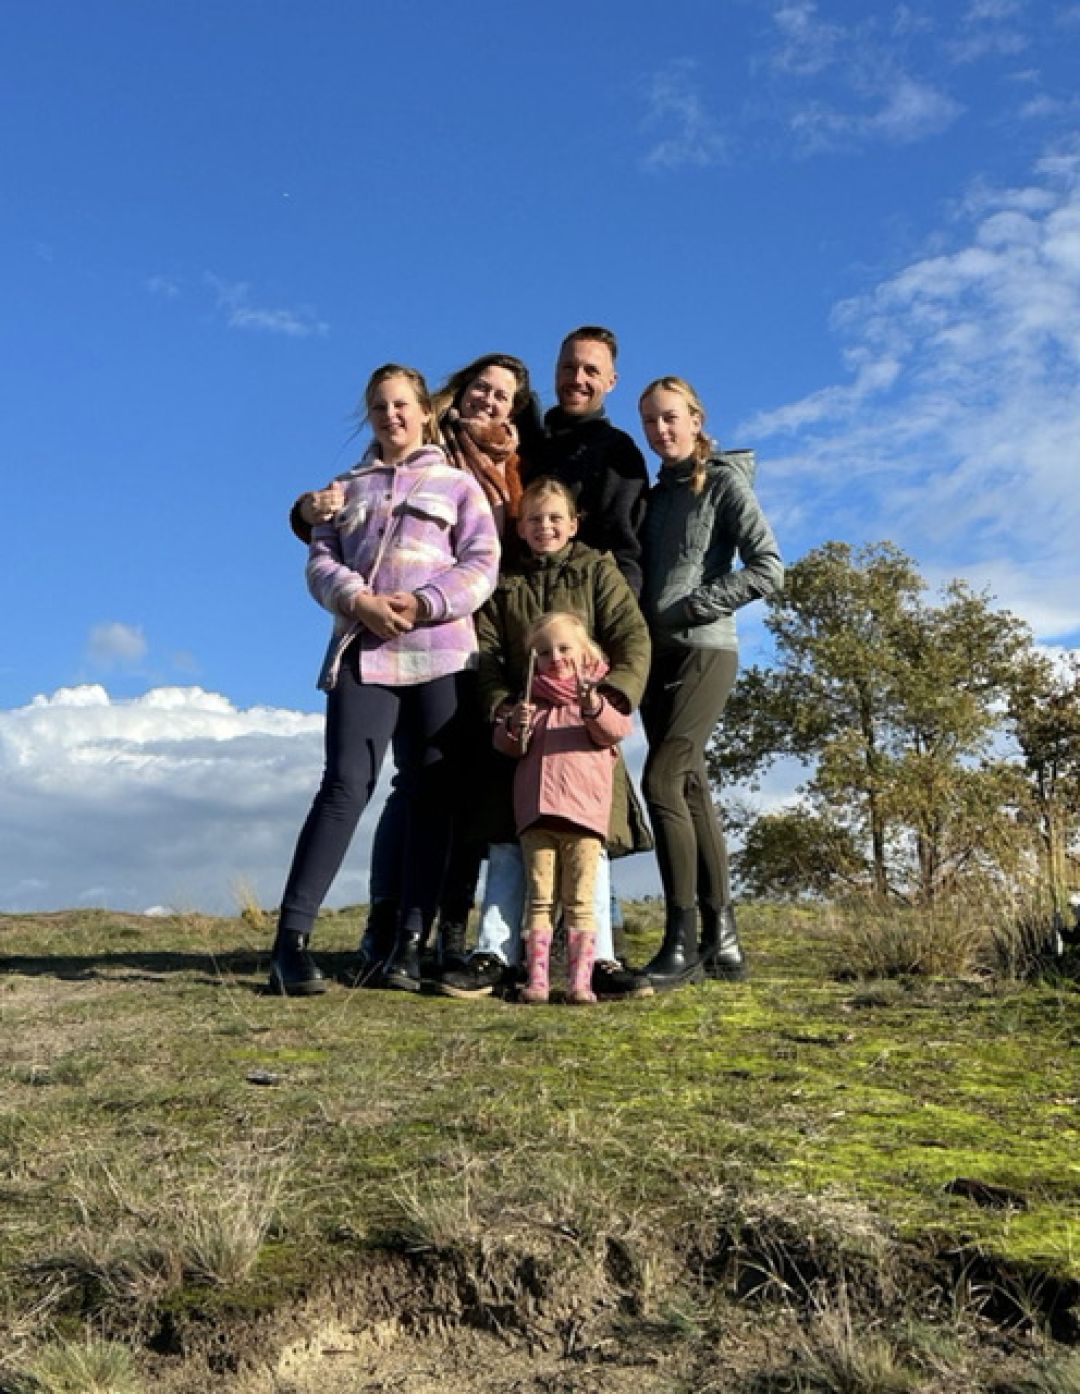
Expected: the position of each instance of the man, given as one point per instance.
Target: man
(599, 462)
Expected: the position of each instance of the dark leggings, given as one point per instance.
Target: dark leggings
(361, 720)
(684, 699)
(467, 852)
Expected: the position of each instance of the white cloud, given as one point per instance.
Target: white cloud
(675, 108)
(986, 29)
(164, 286)
(116, 645)
(807, 44)
(902, 110)
(982, 11)
(958, 433)
(233, 299)
(167, 798)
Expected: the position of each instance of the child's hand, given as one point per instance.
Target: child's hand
(520, 719)
(377, 613)
(406, 605)
(588, 698)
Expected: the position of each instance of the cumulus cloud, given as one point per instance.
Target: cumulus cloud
(167, 798)
(116, 645)
(686, 133)
(957, 432)
(234, 300)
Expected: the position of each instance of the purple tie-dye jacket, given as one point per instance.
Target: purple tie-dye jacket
(427, 528)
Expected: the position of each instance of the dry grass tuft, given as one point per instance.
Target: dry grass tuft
(947, 941)
(90, 1366)
(249, 910)
(841, 1355)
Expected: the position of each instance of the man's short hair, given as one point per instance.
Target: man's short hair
(596, 333)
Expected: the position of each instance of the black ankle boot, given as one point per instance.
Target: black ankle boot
(677, 962)
(402, 971)
(450, 946)
(293, 972)
(721, 952)
(376, 945)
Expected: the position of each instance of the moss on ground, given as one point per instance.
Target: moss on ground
(142, 1063)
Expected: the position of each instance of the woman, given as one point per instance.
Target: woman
(486, 420)
(700, 515)
(411, 554)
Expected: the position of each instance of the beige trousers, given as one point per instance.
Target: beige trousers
(560, 869)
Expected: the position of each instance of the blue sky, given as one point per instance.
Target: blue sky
(855, 228)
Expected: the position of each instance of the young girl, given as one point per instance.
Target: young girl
(700, 514)
(408, 558)
(564, 734)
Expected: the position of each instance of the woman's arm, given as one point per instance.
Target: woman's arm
(741, 523)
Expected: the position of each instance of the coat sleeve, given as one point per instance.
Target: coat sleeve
(492, 677)
(621, 532)
(332, 582)
(462, 587)
(621, 631)
(740, 519)
(609, 726)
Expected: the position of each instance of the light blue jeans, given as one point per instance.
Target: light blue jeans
(504, 906)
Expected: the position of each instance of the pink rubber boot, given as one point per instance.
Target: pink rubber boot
(538, 959)
(581, 950)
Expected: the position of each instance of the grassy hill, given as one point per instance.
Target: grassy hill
(813, 1181)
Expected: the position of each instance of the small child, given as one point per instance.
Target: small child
(565, 732)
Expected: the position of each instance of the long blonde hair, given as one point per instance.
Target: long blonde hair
(704, 446)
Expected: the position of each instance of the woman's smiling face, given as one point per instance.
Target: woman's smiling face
(490, 395)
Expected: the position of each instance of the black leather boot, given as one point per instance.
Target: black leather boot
(293, 972)
(677, 962)
(450, 946)
(402, 971)
(721, 952)
(376, 945)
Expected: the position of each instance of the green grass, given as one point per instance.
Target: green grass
(172, 1141)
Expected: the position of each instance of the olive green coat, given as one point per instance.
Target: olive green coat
(585, 583)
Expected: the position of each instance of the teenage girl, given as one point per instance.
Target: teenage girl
(700, 515)
(484, 414)
(405, 562)
(564, 734)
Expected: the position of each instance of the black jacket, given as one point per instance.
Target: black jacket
(607, 474)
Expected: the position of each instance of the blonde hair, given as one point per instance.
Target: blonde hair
(416, 381)
(704, 446)
(588, 643)
(542, 487)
